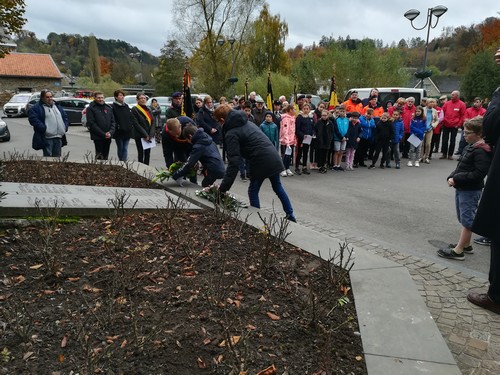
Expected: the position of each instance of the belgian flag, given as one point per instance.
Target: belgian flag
(334, 101)
(269, 98)
(187, 104)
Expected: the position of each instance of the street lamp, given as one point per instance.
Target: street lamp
(232, 79)
(411, 14)
(138, 57)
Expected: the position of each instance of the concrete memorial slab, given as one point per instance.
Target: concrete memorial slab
(27, 199)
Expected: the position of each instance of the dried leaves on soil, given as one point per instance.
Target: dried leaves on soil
(171, 292)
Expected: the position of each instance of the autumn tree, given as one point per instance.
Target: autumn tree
(11, 20)
(201, 25)
(482, 75)
(169, 74)
(266, 47)
(94, 62)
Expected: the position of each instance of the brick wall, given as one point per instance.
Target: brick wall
(11, 86)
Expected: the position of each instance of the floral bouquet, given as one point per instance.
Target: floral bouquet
(227, 200)
(165, 174)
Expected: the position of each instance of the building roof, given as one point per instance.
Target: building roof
(33, 65)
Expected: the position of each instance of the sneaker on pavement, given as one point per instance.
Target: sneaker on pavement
(410, 164)
(417, 164)
(371, 166)
(427, 161)
(467, 250)
(450, 254)
(398, 165)
(283, 174)
(482, 241)
(289, 172)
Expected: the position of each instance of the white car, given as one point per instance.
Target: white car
(17, 105)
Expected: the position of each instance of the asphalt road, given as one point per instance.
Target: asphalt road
(410, 210)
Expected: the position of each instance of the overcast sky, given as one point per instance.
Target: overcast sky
(147, 24)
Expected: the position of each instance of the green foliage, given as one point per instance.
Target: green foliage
(266, 48)
(95, 64)
(107, 85)
(282, 85)
(481, 77)
(11, 20)
(168, 76)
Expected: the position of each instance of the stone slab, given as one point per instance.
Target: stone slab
(22, 199)
(394, 320)
(389, 365)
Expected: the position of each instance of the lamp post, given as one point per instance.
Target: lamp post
(437, 12)
(231, 79)
(138, 57)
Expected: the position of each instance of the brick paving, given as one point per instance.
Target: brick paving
(472, 333)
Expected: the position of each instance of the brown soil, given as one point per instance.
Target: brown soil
(170, 292)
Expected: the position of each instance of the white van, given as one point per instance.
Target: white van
(387, 94)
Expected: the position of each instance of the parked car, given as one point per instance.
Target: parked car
(17, 105)
(4, 131)
(130, 100)
(73, 108)
(109, 100)
(34, 99)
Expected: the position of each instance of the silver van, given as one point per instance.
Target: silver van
(389, 94)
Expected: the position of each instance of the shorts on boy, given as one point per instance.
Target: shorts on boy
(466, 202)
(339, 145)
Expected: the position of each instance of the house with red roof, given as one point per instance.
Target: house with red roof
(28, 72)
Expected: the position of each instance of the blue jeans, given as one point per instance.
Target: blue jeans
(254, 188)
(53, 147)
(122, 146)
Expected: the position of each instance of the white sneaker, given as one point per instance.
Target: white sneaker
(417, 164)
(410, 164)
(427, 161)
(283, 174)
(289, 172)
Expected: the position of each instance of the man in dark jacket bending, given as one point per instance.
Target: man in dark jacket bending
(203, 150)
(245, 140)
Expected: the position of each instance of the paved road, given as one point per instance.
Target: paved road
(410, 210)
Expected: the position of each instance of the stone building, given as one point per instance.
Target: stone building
(28, 72)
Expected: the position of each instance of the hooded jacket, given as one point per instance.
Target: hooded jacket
(205, 151)
(287, 130)
(472, 167)
(245, 140)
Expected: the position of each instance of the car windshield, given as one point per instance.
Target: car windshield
(130, 100)
(20, 99)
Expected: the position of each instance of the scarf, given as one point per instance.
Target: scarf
(145, 113)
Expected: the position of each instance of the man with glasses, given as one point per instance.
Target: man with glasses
(50, 125)
(101, 124)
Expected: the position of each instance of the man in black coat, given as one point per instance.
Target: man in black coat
(101, 124)
(245, 140)
(487, 219)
